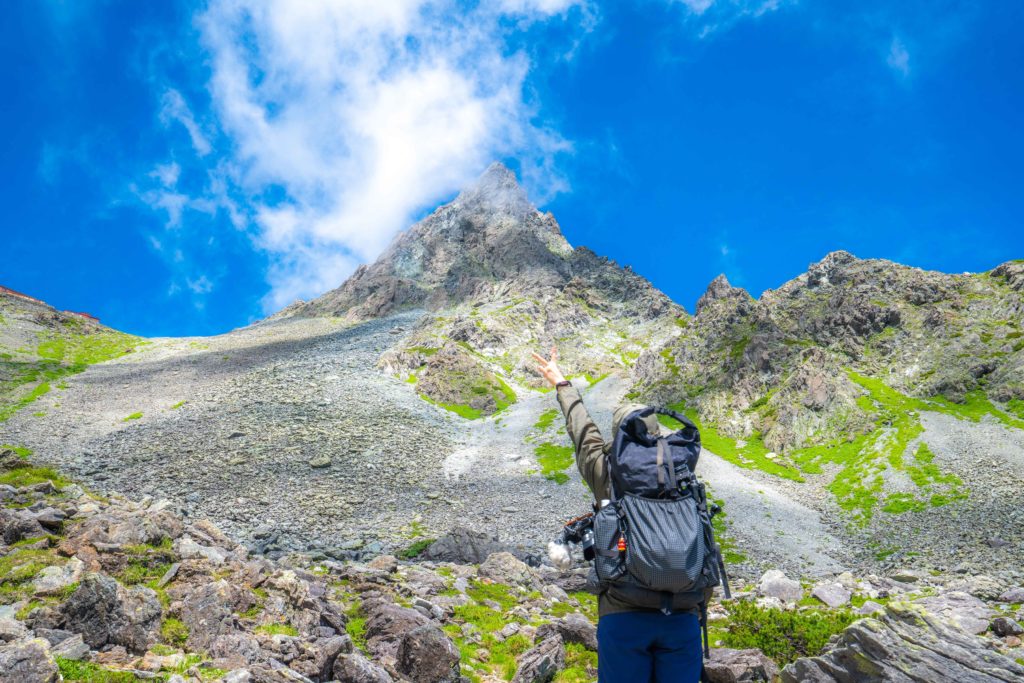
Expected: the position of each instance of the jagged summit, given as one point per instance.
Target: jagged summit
(489, 241)
(720, 289)
(496, 190)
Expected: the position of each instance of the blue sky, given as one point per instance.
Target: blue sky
(187, 168)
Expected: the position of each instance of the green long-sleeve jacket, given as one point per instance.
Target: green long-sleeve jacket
(590, 451)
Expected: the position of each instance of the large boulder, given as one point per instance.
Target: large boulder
(17, 525)
(906, 644)
(963, 609)
(463, 546)
(27, 661)
(573, 628)
(55, 579)
(355, 668)
(425, 654)
(317, 659)
(504, 567)
(386, 624)
(106, 613)
(726, 665)
(209, 612)
(540, 663)
(775, 584)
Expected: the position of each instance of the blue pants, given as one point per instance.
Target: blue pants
(648, 647)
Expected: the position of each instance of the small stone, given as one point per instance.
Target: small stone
(905, 576)
(54, 579)
(870, 607)
(832, 594)
(71, 648)
(1005, 626)
(320, 462)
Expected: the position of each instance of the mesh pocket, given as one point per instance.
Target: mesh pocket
(606, 537)
(666, 544)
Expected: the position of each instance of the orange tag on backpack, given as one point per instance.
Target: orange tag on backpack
(622, 544)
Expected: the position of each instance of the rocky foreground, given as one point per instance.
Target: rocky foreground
(108, 589)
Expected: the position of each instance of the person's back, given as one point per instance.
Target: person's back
(634, 643)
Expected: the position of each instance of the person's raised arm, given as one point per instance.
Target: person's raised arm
(585, 435)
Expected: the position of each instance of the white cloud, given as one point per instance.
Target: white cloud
(174, 108)
(898, 58)
(717, 15)
(345, 119)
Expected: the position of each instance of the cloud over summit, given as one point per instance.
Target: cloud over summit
(337, 122)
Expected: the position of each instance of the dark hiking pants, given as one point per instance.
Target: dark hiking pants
(648, 647)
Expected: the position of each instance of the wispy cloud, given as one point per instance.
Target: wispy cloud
(898, 58)
(713, 16)
(332, 125)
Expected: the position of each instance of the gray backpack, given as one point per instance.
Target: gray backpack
(653, 542)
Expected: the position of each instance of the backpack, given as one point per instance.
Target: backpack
(654, 545)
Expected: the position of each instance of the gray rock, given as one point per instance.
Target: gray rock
(774, 584)
(71, 648)
(573, 628)
(832, 594)
(50, 518)
(870, 607)
(505, 568)
(54, 579)
(12, 629)
(27, 661)
(726, 665)
(426, 654)
(355, 668)
(17, 525)
(238, 676)
(980, 586)
(209, 611)
(320, 462)
(1004, 626)
(106, 613)
(463, 546)
(386, 624)
(906, 645)
(1014, 595)
(540, 663)
(318, 662)
(966, 611)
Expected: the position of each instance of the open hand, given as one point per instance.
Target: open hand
(549, 368)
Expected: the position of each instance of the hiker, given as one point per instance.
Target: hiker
(633, 643)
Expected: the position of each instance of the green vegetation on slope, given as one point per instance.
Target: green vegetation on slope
(783, 635)
(554, 460)
(28, 376)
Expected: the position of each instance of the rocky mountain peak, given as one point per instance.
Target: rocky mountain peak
(496, 190)
(719, 289)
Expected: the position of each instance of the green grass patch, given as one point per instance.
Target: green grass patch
(495, 592)
(174, 632)
(751, 455)
(133, 416)
(580, 665)
(976, 405)
(87, 672)
(416, 549)
(20, 451)
(30, 476)
(356, 626)
(783, 635)
(278, 630)
(460, 409)
(554, 460)
(725, 542)
(546, 419)
(179, 404)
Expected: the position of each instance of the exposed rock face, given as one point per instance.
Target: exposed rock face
(503, 281)
(542, 662)
(106, 613)
(426, 654)
(775, 584)
(463, 546)
(906, 644)
(726, 665)
(27, 661)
